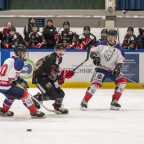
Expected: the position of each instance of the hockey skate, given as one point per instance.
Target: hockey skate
(38, 96)
(115, 105)
(38, 114)
(6, 114)
(60, 109)
(83, 105)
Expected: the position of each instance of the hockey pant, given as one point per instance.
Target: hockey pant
(20, 94)
(99, 77)
(51, 91)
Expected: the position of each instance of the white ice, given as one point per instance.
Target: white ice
(97, 125)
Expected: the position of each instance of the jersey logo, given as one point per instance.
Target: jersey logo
(108, 55)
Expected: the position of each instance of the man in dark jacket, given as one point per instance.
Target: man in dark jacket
(49, 33)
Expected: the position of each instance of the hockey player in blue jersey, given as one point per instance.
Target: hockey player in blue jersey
(9, 78)
(108, 56)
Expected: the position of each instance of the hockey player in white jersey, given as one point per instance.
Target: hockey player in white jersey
(108, 56)
(9, 78)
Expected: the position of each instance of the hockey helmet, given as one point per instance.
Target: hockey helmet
(19, 49)
(130, 29)
(66, 23)
(59, 46)
(87, 28)
(104, 31)
(112, 32)
(12, 29)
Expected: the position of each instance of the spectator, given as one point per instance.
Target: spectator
(129, 40)
(50, 33)
(6, 28)
(103, 35)
(68, 37)
(35, 39)
(28, 28)
(85, 38)
(140, 39)
(12, 39)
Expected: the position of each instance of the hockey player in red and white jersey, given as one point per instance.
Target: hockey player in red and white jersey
(9, 78)
(108, 56)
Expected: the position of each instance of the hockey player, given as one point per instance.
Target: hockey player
(129, 41)
(108, 56)
(140, 39)
(28, 28)
(9, 77)
(7, 27)
(36, 39)
(67, 36)
(103, 35)
(47, 77)
(12, 39)
(86, 37)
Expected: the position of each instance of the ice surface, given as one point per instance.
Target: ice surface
(97, 125)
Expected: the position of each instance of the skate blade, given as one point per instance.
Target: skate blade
(114, 108)
(83, 108)
(58, 112)
(35, 117)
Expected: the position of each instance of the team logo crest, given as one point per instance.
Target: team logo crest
(99, 76)
(108, 55)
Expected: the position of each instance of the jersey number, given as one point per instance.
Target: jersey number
(3, 70)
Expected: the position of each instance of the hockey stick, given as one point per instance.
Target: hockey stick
(127, 78)
(133, 81)
(118, 36)
(87, 58)
(49, 110)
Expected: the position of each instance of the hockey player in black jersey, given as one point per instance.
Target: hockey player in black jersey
(48, 77)
(104, 33)
(67, 36)
(86, 38)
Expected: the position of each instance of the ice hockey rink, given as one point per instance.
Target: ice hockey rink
(96, 125)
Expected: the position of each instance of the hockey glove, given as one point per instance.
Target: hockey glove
(60, 82)
(39, 45)
(66, 74)
(96, 59)
(57, 37)
(117, 69)
(84, 43)
(7, 46)
(70, 46)
(23, 83)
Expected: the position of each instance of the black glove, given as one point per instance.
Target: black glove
(117, 70)
(22, 82)
(96, 59)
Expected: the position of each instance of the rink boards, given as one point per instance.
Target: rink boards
(133, 68)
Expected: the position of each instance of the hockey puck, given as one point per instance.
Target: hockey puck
(29, 130)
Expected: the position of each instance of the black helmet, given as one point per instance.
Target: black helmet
(112, 32)
(130, 29)
(12, 29)
(87, 28)
(35, 25)
(66, 23)
(19, 49)
(104, 31)
(59, 46)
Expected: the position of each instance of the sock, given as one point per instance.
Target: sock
(7, 104)
(116, 95)
(87, 96)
